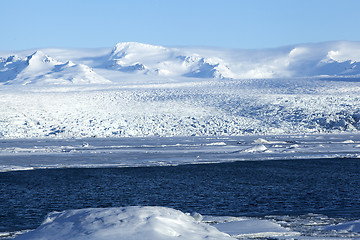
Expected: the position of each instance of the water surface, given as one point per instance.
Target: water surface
(250, 188)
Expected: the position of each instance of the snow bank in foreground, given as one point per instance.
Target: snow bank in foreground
(149, 223)
(122, 223)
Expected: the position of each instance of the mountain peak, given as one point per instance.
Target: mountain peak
(337, 59)
(128, 49)
(40, 57)
(39, 68)
(136, 46)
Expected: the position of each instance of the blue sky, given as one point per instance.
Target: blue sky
(222, 23)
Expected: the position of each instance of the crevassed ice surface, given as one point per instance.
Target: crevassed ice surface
(207, 108)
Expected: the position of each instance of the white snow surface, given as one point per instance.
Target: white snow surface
(153, 223)
(128, 223)
(156, 223)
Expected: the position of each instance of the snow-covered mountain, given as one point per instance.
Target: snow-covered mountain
(138, 60)
(39, 68)
(157, 60)
(307, 60)
(331, 59)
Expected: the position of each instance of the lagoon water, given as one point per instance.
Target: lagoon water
(328, 187)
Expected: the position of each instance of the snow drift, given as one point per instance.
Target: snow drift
(129, 223)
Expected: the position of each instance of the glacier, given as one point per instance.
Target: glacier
(194, 108)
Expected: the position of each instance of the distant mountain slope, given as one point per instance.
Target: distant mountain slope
(307, 60)
(150, 59)
(39, 68)
(331, 59)
(143, 61)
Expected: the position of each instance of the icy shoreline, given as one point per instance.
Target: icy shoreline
(29, 154)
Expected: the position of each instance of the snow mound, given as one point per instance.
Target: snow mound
(39, 68)
(353, 226)
(122, 223)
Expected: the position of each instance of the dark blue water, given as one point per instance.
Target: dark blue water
(330, 187)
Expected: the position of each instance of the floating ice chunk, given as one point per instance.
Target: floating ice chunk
(257, 148)
(264, 141)
(254, 228)
(295, 146)
(348, 141)
(353, 226)
(197, 216)
(261, 141)
(216, 144)
(128, 223)
(4, 168)
(11, 235)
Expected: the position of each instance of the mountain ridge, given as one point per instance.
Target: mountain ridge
(331, 59)
(39, 68)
